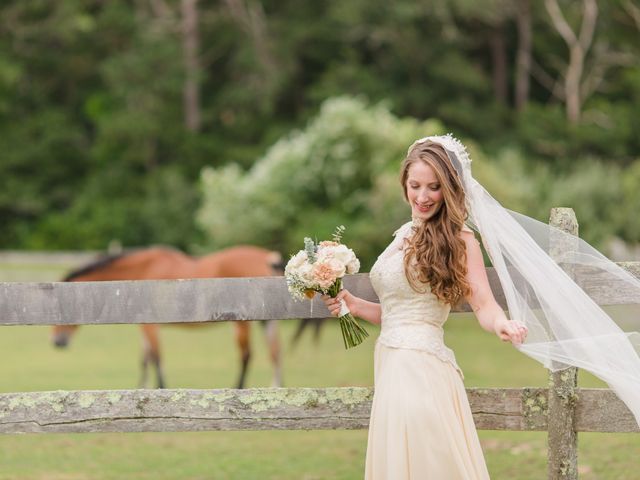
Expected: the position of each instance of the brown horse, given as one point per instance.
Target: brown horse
(159, 263)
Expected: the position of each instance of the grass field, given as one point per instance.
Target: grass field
(107, 357)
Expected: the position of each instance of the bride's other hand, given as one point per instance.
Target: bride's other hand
(333, 304)
(512, 331)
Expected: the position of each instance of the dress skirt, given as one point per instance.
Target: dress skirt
(421, 424)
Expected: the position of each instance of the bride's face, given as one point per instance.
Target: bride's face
(424, 191)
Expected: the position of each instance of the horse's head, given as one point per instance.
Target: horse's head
(62, 334)
(94, 271)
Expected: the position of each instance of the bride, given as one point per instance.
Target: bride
(421, 423)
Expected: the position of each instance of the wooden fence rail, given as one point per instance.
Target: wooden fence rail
(206, 300)
(598, 410)
(211, 300)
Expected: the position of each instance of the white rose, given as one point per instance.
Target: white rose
(296, 261)
(337, 267)
(353, 266)
(324, 254)
(339, 252)
(305, 272)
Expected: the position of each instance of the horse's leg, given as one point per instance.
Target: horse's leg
(152, 352)
(143, 372)
(318, 323)
(302, 325)
(146, 348)
(273, 340)
(242, 331)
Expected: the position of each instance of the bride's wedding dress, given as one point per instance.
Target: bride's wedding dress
(421, 425)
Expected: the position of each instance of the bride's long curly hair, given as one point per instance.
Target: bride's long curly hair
(435, 257)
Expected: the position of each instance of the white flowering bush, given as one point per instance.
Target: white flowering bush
(310, 179)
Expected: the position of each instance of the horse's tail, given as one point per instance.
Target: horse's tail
(305, 323)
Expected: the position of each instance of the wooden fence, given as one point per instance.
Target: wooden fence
(562, 409)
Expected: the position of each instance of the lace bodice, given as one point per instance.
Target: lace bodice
(409, 319)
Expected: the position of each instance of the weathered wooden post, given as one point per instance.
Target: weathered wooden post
(562, 454)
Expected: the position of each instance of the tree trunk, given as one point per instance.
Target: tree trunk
(190, 45)
(250, 16)
(572, 83)
(523, 57)
(578, 47)
(499, 60)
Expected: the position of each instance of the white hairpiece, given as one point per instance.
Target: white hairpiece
(449, 143)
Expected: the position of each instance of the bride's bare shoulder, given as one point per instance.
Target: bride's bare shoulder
(469, 237)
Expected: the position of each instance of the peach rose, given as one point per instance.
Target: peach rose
(328, 243)
(324, 274)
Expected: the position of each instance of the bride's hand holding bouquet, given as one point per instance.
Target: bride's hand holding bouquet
(334, 304)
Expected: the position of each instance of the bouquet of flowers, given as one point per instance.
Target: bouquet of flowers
(320, 268)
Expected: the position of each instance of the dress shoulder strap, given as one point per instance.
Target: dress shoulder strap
(402, 228)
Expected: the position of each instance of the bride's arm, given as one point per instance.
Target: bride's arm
(369, 311)
(490, 315)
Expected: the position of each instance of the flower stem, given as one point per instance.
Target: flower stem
(353, 334)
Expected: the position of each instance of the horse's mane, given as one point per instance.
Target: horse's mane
(277, 263)
(98, 264)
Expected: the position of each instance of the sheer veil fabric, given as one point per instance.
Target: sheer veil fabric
(552, 296)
